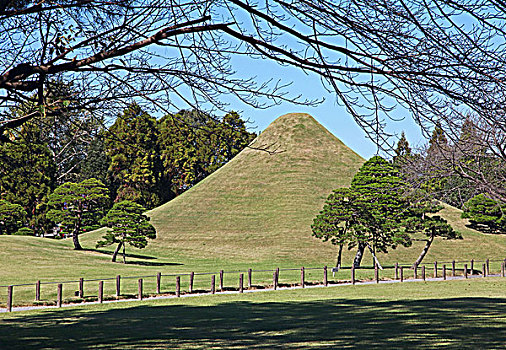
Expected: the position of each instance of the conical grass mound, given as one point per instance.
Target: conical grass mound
(259, 206)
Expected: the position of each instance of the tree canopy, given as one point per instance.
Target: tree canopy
(12, 217)
(159, 50)
(486, 214)
(128, 225)
(78, 207)
(379, 211)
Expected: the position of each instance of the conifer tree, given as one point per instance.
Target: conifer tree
(485, 213)
(78, 207)
(128, 226)
(12, 217)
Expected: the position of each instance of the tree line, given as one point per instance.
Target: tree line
(138, 158)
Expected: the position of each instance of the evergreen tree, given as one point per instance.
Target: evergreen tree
(28, 174)
(485, 214)
(132, 146)
(402, 150)
(129, 226)
(369, 214)
(78, 207)
(12, 217)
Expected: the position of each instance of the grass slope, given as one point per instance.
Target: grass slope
(465, 314)
(254, 212)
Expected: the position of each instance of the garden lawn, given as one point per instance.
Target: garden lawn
(453, 314)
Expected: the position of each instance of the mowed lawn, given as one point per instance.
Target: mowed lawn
(453, 314)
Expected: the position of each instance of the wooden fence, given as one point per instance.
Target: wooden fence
(121, 287)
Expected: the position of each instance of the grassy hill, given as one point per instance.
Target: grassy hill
(254, 212)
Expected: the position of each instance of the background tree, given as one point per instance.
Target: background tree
(114, 51)
(132, 145)
(128, 226)
(28, 174)
(12, 217)
(78, 207)
(485, 214)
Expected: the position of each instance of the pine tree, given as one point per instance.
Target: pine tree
(132, 145)
(12, 217)
(128, 226)
(78, 207)
(485, 213)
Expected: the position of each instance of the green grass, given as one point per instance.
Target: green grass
(454, 314)
(255, 212)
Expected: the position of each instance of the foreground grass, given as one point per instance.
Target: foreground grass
(453, 314)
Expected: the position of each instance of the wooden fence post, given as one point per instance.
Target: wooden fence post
(325, 280)
(139, 289)
(274, 280)
(488, 267)
(158, 282)
(415, 272)
(250, 271)
(402, 273)
(213, 284)
(190, 287)
(277, 276)
(376, 273)
(444, 272)
(503, 268)
(302, 277)
(423, 272)
(352, 274)
(100, 292)
(396, 271)
(241, 277)
(81, 287)
(178, 286)
(435, 269)
(472, 266)
(221, 280)
(453, 268)
(37, 291)
(59, 293)
(465, 270)
(484, 270)
(118, 286)
(10, 291)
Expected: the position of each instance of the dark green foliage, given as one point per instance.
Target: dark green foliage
(402, 151)
(132, 146)
(12, 217)
(369, 213)
(24, 231)
(485, 214)
(379, 211)
(194, 145)
(78, 207)
(27, 174)
(97, 162)
(129, 226)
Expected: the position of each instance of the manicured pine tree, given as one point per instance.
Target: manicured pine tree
(128, 226)
(78, 207)
(485, 213)
(12, 217)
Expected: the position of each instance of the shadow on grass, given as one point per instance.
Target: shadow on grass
(450, 323)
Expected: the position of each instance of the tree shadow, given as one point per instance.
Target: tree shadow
(128, 255)
(486, 229)
(458, 323)
(135, 256)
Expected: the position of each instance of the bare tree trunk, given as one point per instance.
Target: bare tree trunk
(424, 252)
(124, 255)
(359, 255)
(116, 252)
(374, 258)
(339, 256)
(75, 239)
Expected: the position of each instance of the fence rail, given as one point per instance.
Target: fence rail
(173, 284)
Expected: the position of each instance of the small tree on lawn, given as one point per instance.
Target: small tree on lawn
(12, 217)
(129, 226)
(78, 207)
(485, 213)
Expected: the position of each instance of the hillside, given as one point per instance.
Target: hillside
(255, 211)
(261, 204)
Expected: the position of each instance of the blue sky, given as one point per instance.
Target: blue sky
(329, 113)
